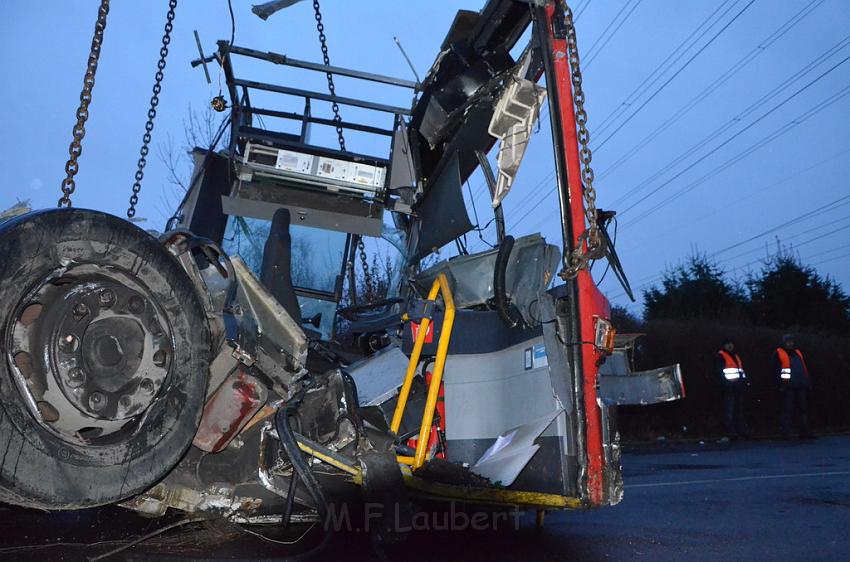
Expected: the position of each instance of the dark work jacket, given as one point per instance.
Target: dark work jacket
(719, 365)
(798, 372)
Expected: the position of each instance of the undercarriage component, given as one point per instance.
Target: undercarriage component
(95, 346)
(105, 360)
(222, 499)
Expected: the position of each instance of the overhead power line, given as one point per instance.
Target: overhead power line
(785, 224)
(761, 143)
(665, 65)
(735, 120)
(841, 257)
(551, 175)
(591, 54)
(707, 22)
(824, 252)
(667, 82)
(797, 235)
(580, 11)
(786, 178)
(832, 205)
(713, 85)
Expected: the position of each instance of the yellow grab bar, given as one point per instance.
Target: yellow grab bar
(440, 286)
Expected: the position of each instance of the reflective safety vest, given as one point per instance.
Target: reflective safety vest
(733, 369)
(785, 363)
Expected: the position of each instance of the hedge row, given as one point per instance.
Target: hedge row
(694, 345)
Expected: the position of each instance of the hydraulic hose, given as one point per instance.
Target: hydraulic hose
(299, 465)
(507, 312)
(302, 469)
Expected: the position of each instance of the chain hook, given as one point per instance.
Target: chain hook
(590, 246)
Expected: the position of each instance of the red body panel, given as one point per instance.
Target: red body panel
(228, 410)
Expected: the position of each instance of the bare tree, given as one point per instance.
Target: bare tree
(199, 131)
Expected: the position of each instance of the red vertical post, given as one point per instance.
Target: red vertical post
(590, 300)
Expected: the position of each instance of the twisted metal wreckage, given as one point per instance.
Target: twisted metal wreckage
(200, 371)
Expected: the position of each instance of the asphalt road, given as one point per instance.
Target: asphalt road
(741, 501)
(748, 501)
(763, 500)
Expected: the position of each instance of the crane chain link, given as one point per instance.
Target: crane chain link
(367, 275)
(323, 40)
(157, 88)
(79, 130)
(590, 245)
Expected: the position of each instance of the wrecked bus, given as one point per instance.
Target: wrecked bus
(204, 370)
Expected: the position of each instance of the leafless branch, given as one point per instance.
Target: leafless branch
(174, 164)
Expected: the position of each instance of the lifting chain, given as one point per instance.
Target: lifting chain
(367, 275)
(157, 88)
(323, 40)
(79, 131)
(594, 249)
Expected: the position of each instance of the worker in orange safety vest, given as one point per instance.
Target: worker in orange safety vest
(794, 386)
(733, 380)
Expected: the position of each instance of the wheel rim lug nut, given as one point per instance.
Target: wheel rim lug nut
(159, 358)
(136, 304)
(97, 401)
(69, 343)
(76, 377)
(106, 298)
(147, 386)
(80, 310)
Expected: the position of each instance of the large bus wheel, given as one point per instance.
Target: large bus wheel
(105, 355)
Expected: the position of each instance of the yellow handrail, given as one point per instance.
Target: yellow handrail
(440, 286)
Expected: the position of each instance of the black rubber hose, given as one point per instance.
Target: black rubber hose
(299, 465)
(506, 311)
(290, 501)
(302, 469)
(290, 494)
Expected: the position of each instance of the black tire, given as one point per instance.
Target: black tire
(38, 468)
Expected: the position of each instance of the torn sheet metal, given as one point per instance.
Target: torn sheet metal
(219, 498)
(267, 9)
(505, 459)
(530, 269)
(379, 376)
(642, 388)
(16, 210)
(442, 211)
(229, 410)
(272, 319)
